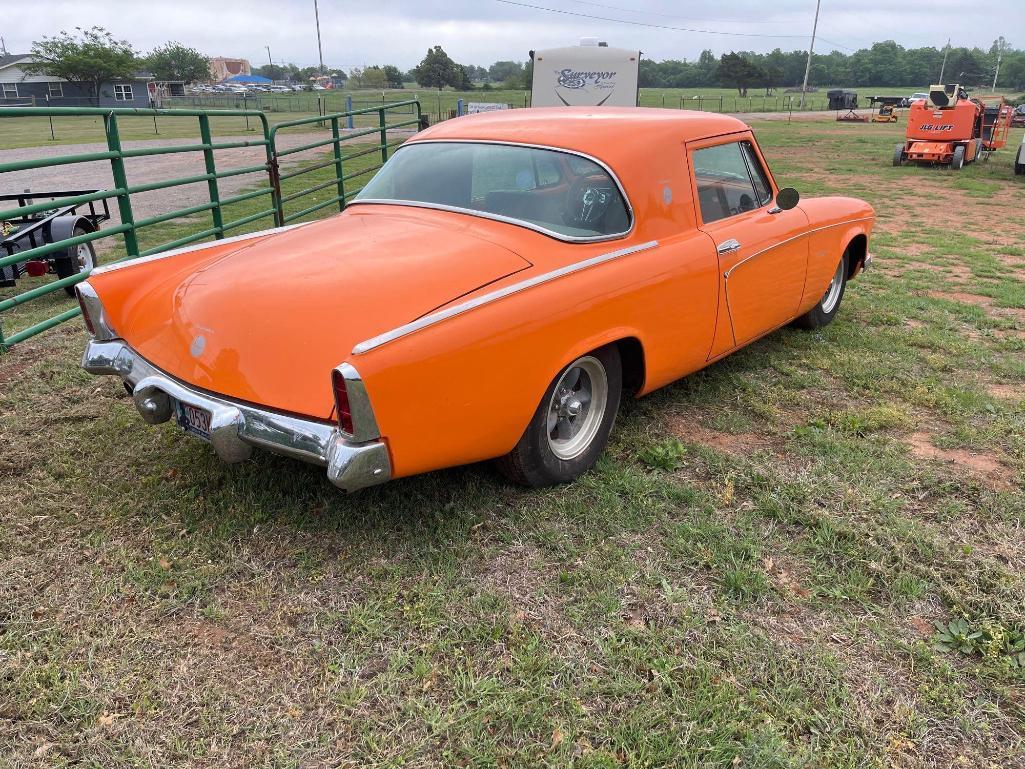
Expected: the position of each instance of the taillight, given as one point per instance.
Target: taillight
(85, 313)
(342, 402)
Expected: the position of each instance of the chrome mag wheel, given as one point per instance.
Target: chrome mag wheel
(576, 408)
(832, 295)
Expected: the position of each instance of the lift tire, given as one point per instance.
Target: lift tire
(898, 155)
(978, 150)
(957, 161)
(1019, 161)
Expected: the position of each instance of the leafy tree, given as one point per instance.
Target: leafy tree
(272, 71)
(174, 61)
(394, 76)
(356, 77)
(92, 57)
(437, 70)
(736, 71)
(462, 81)
(501, 71)
(374, 77)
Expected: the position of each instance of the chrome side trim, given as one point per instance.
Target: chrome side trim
(236, 428)
(494, 296)
(187, 249)
(364, 423)
(749, 257)
(93, 308)
(507, 219)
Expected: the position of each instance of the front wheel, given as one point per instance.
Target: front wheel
(898, 154)
(824, 312)
(571, 425)
(957, 161)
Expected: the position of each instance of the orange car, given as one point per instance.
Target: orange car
(491, 293)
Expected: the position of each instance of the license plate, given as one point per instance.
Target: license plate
(193, 420)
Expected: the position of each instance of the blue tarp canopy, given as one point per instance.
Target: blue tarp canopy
(249, 79)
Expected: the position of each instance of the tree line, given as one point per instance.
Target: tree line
(884, 64)
(93, 56)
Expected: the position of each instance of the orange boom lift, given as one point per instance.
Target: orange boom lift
(953, 129)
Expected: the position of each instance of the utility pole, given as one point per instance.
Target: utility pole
(943, 66)
(320, 50)
(269, 59)
(1000, 56)
(807, 69)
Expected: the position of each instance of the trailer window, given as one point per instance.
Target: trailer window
(123, 92)
(10, 90)
(55, 90)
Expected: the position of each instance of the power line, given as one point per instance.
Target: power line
(672, 16)
(648, 24)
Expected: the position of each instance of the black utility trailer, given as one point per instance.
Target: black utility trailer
(50, 226)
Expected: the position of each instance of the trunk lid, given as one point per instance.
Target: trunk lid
(267, 321)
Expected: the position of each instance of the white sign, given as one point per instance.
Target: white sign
(585, 76)
(473, 107)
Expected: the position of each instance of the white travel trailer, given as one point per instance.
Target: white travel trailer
(587, 75)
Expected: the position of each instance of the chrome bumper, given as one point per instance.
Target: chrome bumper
(235, 428)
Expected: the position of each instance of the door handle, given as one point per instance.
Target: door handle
(728, 246)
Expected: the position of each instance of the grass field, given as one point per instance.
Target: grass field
(279, 108)
(752, 576)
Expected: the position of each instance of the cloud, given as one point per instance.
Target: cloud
(483, 31)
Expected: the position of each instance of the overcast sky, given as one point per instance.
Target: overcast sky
(483, 31)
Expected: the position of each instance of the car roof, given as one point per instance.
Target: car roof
(598, 131)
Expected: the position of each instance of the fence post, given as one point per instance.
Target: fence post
(337, 144)
(384, 136)
(459, 107)
(211, 169)
(117, 168)
(348, 108)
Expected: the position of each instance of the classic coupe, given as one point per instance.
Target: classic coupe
(492, 293)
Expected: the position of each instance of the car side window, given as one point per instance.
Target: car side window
(724, 184)
(763, 189)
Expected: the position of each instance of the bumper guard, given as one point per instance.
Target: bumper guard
(235, 428)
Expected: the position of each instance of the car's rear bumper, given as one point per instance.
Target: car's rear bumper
(235, 428)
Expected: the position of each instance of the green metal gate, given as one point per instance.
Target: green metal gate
(281, 188)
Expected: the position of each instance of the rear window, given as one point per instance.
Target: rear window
(559, 193)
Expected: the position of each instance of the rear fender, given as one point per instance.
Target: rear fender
(62, 228)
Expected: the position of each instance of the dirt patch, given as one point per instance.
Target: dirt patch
(1011, 392)
(983, 466)
(963, 297)
(687, 429)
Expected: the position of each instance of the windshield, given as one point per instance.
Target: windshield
(561, 194)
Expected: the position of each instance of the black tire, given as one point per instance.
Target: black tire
(898, 155)
(823, 313)
(957, 161)
(1019, 161)
(533, 462)
(66, 266)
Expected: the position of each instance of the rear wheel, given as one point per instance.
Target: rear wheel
(81, 259)
(571, 425)
(824, 312)
(957, 161)
(1019, 162)
(898, 155)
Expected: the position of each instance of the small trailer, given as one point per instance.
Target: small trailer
(588, 75)
(50, 226)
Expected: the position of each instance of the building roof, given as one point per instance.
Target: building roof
(12, 58)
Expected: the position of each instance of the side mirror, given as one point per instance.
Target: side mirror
(787, 198)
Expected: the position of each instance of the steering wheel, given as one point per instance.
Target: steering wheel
(586, 202)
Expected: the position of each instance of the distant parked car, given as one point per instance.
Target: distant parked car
(1018, 118)
(491, 293)
(916, 96)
